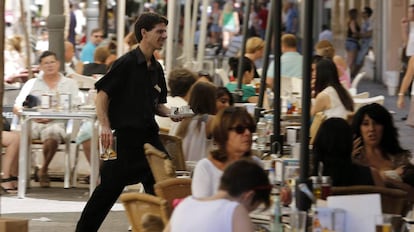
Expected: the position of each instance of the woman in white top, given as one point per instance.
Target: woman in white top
(331, 97)
(193, 130)
(232, 130)
(243, 186)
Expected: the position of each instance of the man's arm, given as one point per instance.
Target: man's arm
(102, 103)
(162, 110)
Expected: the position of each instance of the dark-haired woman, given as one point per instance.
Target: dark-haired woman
(377, 146)
(194, 130)
(249, 92)
(333, 147)
(331, 97)
(232, 130)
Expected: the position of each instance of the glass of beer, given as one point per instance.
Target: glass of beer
(110, 152)
(388, 223)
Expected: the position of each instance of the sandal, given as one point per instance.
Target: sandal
(8, 190)
(44, 179)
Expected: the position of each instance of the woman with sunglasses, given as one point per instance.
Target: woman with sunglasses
(232, 130)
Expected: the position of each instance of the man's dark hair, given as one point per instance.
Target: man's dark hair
(368, 11)
(46, 54)
(148, 21)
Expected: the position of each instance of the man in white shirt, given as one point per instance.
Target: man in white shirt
(51, 132)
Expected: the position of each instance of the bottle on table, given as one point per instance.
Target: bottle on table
(261, 134)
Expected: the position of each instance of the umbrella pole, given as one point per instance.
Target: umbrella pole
(302, 201)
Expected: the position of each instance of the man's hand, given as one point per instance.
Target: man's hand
(106, 137)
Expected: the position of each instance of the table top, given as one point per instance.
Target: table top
(53, 113)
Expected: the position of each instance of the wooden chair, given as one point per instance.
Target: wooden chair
(139, 205)
(172, 189)
(173, 145)
(393, 201)
(319, 118)
(161, 166)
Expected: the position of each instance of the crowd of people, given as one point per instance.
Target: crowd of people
(218, 135)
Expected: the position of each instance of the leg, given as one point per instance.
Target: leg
(102, 199)
(128, 168)
(49, 150)
(51, 136)
(87, 149)
(9, 164)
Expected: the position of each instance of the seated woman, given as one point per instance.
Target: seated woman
(377, 146)
(249, 92)
(9, 164)
(243, 186)
(193, 130)
(224, 98)
(333, 147)
(331, 97)
(232, 130)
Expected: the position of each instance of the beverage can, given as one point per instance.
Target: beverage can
(65, 101)
(46, 101)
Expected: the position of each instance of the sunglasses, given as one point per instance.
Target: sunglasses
(239, 129)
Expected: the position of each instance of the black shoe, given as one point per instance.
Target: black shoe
(404, 118)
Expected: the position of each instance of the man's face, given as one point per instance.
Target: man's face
(49, 65)
(156, 37)
(97, 37)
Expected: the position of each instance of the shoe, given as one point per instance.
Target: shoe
(44, 179)
(85, 180)
(35, 176)
(7, 190)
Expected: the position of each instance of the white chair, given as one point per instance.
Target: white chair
(361, 95)
(64, 146)
(359, 102)
(357, 79)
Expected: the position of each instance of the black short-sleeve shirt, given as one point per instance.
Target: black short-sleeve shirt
(134, 91)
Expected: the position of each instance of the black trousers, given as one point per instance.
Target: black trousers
(130, 167)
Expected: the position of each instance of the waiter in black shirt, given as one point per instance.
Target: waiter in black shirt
(129, 96)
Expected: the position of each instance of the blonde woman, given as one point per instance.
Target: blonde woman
(14, 61)
(229, 22)
(325, 48)
(254, 51)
